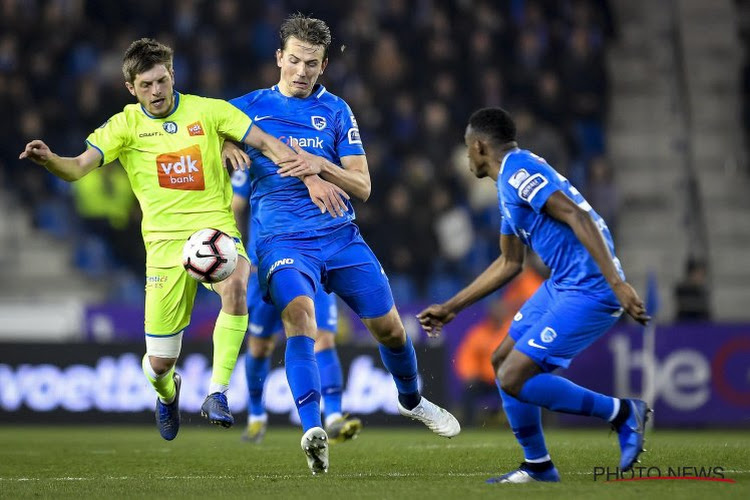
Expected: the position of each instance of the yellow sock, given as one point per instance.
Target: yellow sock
(229, 333)
(163, 384)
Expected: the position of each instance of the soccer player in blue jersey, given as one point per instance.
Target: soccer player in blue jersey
(301, 249)
(584, 296)
(265, 321)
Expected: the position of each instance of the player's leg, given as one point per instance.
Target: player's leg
(526, 423)
(288, 272)
(572, 323)
(229, 331)
(355, 274)
(170, 293)
(339, 426)
(265, 321)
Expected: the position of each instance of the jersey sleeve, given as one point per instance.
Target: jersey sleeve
(230, 121)
(530, 182)
(505, 227)
(348, 140)
(110, 138)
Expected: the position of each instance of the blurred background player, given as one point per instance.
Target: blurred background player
(584, 296)
(265, 321)
(169, 145)
(299, 249)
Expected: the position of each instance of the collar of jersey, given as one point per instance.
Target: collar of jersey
(505, 158)
(176, 104)
(318, 91)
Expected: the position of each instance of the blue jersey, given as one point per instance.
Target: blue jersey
(321, 124)
(525, 183)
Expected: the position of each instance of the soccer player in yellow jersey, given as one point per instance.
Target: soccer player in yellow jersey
(170, 146)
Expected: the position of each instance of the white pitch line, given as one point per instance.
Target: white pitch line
(293, 476)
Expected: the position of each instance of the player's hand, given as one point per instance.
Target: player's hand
(631, 302)
(236, 157)
(434, 318)
(36, 151)
(302, 165)
(327, 196)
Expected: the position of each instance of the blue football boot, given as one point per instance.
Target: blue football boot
(216, 409)
(524, 475)
(631, 433)
(168, 415)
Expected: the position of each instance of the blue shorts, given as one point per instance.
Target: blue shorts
(340, 260)
(553, 326)
(265, 319)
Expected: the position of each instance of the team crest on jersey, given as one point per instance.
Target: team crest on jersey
(195, 129)
(518, 177)
(170, 127)
(319, 122)
(548, 335)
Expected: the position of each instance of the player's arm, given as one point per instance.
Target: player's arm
(560, 207)
(501, 271)
(326, 195)
(354, 178)
(67, 169)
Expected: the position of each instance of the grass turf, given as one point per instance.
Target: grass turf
(133, 462)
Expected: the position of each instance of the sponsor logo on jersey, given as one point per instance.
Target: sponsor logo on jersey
(303, 142)
(195, 129)
(319, 122)
(532, 186)
(548, 335)
(280, 262)
(150, 134)
(182, 169)
(170, 127)
(353, 136)
(518, 177)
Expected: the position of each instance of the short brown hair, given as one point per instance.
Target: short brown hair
(307, 29)
(144, 54)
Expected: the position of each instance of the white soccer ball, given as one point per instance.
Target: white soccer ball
(209, 255)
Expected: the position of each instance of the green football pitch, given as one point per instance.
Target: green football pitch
(133, 462)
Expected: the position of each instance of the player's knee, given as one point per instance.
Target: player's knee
(497, 358)
(511, 379)
(161, 366)
(299, 317)
(260, 348)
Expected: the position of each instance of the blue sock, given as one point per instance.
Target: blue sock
(557, 393)
(402, 363)
(331, 379)
(526, 423)
(256, 371)
(304, 379)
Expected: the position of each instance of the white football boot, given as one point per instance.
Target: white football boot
(315, 445)
(437, 419)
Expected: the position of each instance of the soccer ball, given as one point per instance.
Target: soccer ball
(209, 255)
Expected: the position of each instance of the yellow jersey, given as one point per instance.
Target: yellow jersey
(174, 163)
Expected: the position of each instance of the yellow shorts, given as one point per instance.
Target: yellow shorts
(170, 291)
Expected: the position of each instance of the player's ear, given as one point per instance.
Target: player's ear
(323, 65)
(279, 55)
(130, 88)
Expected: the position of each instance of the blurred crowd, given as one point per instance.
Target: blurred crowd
(412, 71)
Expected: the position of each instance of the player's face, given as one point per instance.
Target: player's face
(477, 161)
(301, 64)
(154, 90)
